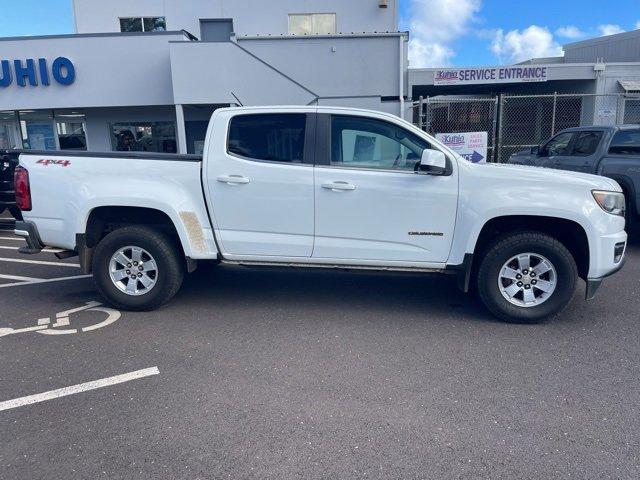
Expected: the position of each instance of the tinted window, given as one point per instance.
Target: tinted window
(279, 137)
(626, 143)
(154, 24)
(144, 24)
(131, 25)
(369, 143)
(558, 145)
(586, 143)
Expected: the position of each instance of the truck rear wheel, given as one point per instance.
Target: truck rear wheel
(526, 277)
(137, 268)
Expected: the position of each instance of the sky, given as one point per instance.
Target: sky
(443, 32)
(495, 32)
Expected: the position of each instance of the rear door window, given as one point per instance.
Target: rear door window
(586, 143)
(625, 142)
(270, 137)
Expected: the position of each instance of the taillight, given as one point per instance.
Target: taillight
(23, 191)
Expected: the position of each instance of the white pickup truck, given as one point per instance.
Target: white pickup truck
(323, 187)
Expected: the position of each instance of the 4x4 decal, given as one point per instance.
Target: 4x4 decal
(46, 163)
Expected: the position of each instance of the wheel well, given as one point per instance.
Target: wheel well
(567, 232)
(104, 220)
(629, 194)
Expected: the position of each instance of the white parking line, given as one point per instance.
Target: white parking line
(49, 250)
(17, 278)
(39, 262)
(82, 387)
(46, 280)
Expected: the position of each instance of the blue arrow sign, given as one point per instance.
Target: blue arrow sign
(476, 157)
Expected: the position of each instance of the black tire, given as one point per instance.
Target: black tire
(510, 245)
(630, 218)
(166, 253)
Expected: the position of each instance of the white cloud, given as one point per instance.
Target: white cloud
(431, 54)
(517, 46)
(434, 25)
(609, 29)
(637, 26)
(570, 32)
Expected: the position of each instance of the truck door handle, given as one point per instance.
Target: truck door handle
(233, 179)
(339, 186)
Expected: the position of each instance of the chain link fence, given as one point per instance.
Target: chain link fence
(519, 122)
(456, 115)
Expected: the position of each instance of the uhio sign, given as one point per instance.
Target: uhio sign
(470, 76)
(37, 72)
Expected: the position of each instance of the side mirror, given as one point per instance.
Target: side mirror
(535, 150)
(433, 162)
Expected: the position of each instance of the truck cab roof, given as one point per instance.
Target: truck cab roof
(602, 128)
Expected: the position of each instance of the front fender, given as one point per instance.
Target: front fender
(493, 192)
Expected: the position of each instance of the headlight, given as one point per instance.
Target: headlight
(610, 202)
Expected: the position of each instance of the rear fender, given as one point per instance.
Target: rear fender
(192, 225)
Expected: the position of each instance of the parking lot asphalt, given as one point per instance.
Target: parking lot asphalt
(273, 373)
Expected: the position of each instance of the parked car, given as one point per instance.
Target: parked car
(8, 162)
(323, 187)
(613, 152)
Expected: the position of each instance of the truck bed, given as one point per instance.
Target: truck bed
(66, 187)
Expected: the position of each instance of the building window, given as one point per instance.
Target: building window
(271, 137)
(632, 111)
(71, 131)
(159, 137)
(312, 24)
(9, 135)
(37, 130)
(143, 24)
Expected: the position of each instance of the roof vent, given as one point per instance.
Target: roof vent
(383, 3)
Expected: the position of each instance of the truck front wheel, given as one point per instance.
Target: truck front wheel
(137, 268)
(526, 277)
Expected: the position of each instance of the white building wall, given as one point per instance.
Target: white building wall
(342, 71)
(111, 70)
(611, 106)
(250, 17)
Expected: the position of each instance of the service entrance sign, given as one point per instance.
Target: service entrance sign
(474, 76)
(470, 145)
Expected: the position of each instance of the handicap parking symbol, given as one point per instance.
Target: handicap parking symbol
(61, 323)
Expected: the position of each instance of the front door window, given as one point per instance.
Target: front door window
(558, 145)
(373, 144)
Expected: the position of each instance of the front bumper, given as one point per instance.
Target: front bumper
(29, 232)
(593, 284)
(610, 257)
